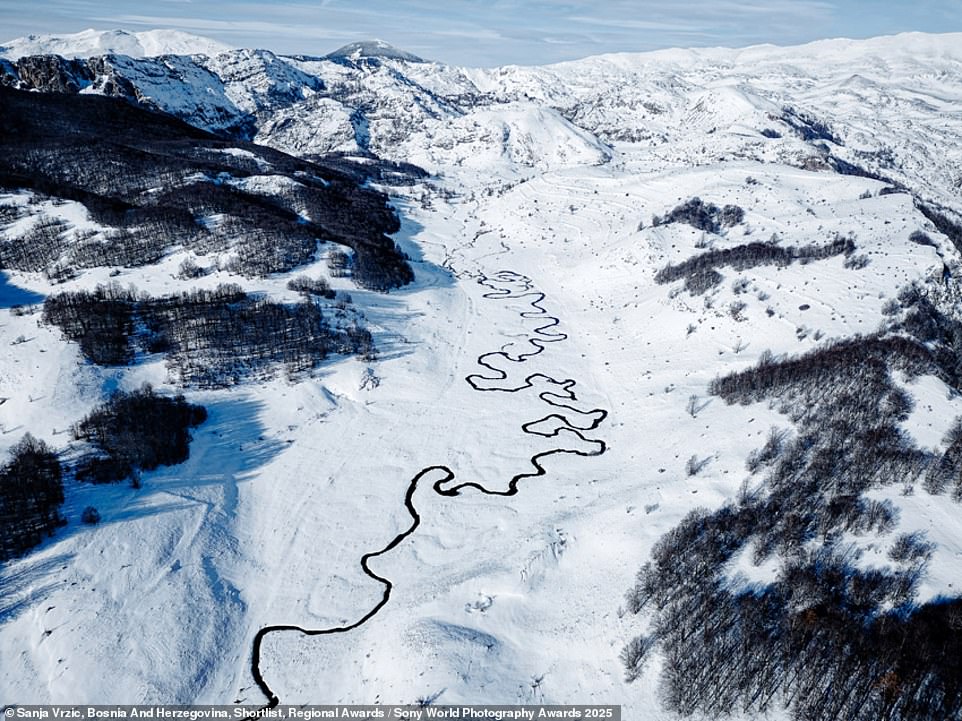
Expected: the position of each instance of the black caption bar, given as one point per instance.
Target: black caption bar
(312, 713)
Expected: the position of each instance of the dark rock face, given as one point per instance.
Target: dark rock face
(110, 83)
(8, 73)
(196, 89)
(52, 74)
(372, 49)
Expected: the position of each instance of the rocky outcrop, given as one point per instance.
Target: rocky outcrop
(51, 74)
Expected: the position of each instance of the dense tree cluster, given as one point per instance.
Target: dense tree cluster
(844, 167)
(868, 357)
(190, 270)
(942, 222)
(136, 431)
(211, 338)
(312, 286)
(339, 264)
(807, 126)
(926, 319)
(381, 268)
(101, 321)
(373, 169)
(947, 470)
(893, 190)
(700, 272)
(829, 638)
(920, 238)
(826, 639)
(703, 216)
(266, 209)
(38, 248)
(31, 491)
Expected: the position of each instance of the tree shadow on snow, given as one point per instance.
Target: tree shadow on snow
(227, 450)
(12, 295)
(26, 583)
(426, 273)
(386, 316)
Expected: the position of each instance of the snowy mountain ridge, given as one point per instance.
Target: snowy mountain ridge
(398, 107)
(91, 43)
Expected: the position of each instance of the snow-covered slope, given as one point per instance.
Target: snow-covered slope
(542, 413)
(90, 43)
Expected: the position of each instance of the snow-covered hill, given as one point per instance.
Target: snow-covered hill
(361, 51)
(91, 43)
(556, 400)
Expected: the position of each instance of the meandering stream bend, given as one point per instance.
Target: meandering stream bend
(562, 399)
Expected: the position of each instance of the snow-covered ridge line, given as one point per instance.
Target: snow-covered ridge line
(918, 44)
(91, 43)
(370, 99)
(165, 41)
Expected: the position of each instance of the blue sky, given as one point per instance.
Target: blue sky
(491, 32)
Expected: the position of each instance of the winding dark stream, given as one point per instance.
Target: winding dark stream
(562, 398)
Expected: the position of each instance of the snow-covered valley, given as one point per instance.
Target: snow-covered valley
(541, 412)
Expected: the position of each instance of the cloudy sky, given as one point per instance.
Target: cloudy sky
(491, 32)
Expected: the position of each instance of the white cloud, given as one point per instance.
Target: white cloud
(246, 27)
(623, 24)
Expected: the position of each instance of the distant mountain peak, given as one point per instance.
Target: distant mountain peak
(91, 42)
(372, 49)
